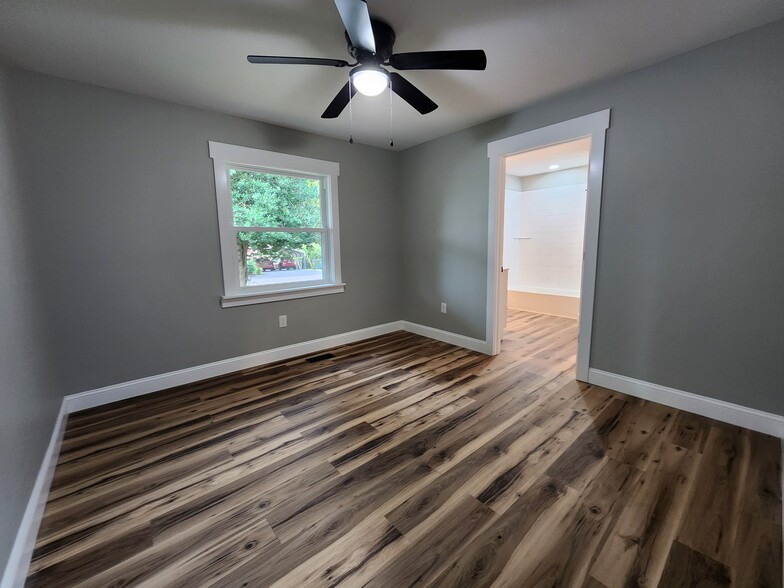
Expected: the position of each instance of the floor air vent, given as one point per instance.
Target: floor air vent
(321, 357)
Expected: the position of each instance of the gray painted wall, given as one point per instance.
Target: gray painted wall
(109, 258)
(112, 249)
(127, 250)
(28, 402)
(690, 281)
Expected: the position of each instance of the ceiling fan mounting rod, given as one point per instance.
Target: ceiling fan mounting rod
(384, 41)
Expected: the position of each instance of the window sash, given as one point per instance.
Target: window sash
(240, 229)
(224, 158)
(263, 170)
(271, 171)
(325, 273)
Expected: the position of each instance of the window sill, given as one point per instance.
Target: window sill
(278, 295)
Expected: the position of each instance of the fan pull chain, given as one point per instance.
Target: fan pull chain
(350, 114)
(391, 140)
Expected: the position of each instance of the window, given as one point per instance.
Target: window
(278, 220)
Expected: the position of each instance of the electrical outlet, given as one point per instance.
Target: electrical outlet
(283, 321)
(443, 307)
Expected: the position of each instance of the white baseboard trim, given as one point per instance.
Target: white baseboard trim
(125, 390)
(447, 337)
(22, 549)
(727, 412)
(21, 552)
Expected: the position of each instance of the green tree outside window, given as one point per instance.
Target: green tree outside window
(263, 200)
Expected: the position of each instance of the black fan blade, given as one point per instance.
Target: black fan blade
(356, 21)
(297, 60)
(411, 94)
(339, 102)
(467, 59)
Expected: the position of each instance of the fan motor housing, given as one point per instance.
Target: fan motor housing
(385, 40)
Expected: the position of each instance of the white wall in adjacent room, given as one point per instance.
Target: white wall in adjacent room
(543, 232)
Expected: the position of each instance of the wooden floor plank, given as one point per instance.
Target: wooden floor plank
(637, 547)
(400, 461)
(423, 560)
(687, 568)
(366, 546)
(484, 559)
(191, 554)
(559, 548)
(712, 519)
(759, 563)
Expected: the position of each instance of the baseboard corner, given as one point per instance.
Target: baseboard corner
(447, 337)
(22, 549)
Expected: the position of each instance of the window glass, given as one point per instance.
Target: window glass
(278, 225)
(261, 199)
(267, 258)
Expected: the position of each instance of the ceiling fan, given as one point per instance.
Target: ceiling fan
(370, 43)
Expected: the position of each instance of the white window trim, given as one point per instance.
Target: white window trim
(225, 156)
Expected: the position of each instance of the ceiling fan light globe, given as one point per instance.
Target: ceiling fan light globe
(370, 82)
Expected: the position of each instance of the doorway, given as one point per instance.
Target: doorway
(544, 219)
(590, 130)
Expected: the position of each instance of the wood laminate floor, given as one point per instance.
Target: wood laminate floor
(401, 461)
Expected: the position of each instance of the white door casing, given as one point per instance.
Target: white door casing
(591, 125)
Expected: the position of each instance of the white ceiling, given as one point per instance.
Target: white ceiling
(193, 52)
(538, 161)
